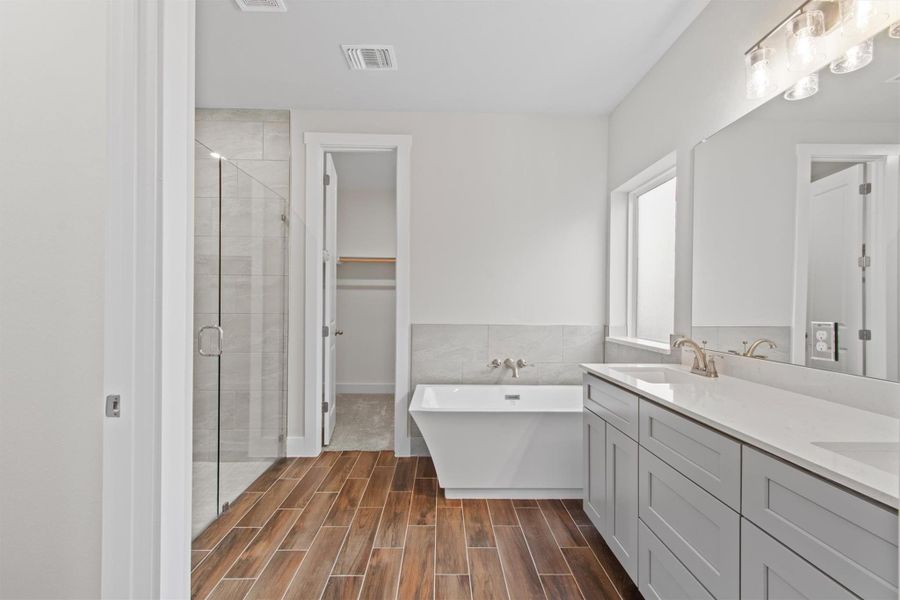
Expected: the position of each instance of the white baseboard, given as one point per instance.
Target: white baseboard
(296, 446)
(364, 388)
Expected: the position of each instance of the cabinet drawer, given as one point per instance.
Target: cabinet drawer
(704, 456)
(770, 571)
(701, 531)
(594, 465)
(662, 576)
(616, 406)
(851, 539)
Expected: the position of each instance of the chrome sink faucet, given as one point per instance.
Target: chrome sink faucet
(703, 365)
(509, 364)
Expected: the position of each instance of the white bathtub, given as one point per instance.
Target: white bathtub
(503, 441)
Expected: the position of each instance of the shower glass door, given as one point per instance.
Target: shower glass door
(240, 319)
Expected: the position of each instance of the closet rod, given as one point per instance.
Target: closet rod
(366, 259)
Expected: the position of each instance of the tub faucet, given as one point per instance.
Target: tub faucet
(515, 366)
(703, 365)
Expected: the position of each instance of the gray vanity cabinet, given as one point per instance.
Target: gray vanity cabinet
(698, 528)
(769, 571)
(692, 513)
(594, 468)
(622, 498)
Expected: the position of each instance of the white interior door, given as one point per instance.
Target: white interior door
(330, 304)
(836, 288)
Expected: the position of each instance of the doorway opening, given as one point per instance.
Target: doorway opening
(360, 245)
(360, 268)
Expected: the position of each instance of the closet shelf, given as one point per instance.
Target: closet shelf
(366, 259)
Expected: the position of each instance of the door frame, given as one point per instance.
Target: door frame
(148, 320)
(316, 145)
(885, 159)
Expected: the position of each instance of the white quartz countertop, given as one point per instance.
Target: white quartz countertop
(853, 447)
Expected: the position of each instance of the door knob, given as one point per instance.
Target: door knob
(339, 332)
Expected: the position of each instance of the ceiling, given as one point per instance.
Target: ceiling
(544, 56)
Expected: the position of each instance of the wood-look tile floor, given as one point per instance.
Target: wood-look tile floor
(366, 525)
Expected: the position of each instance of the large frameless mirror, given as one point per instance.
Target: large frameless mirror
(796, 226)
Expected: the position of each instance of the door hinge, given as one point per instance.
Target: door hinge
(325, 406)
(327, 179)
(325, 331)
(864, 261)
(326, 256)
(865, 335)
(865, 189)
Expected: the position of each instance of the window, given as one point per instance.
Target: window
(652, 289)
(642, 258)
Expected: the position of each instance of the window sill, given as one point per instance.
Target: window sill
(658, 347)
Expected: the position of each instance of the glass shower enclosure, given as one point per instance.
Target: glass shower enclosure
(240, 332)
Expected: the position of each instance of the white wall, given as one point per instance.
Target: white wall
(508, 212)
(53, 194)
(367, 221)
(365, 353)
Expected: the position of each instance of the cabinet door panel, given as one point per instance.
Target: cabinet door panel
(622, 498)
(699, 529)
(662, 576)
(594, 466)
(770, 571)
(851, 539)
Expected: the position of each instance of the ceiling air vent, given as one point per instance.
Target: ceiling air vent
(261, 5)
(370, 57)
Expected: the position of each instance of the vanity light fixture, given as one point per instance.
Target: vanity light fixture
(857, 16)
(802, 32)
(806, 87)
(855, 58)
(760, 82)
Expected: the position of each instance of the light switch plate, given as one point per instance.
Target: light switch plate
(824, 342)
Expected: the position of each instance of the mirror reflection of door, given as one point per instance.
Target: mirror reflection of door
(837, 254)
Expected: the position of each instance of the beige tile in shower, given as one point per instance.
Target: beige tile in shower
(242, 114)
(233, 140)
(277, 141)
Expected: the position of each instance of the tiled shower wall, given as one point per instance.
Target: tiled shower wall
(254, 282)
(461, 353)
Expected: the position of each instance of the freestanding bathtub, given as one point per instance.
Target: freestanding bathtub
(503, 441)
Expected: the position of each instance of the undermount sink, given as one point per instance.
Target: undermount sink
(884, 456)
(659, 375)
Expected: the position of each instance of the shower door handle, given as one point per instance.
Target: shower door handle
(220, 336)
